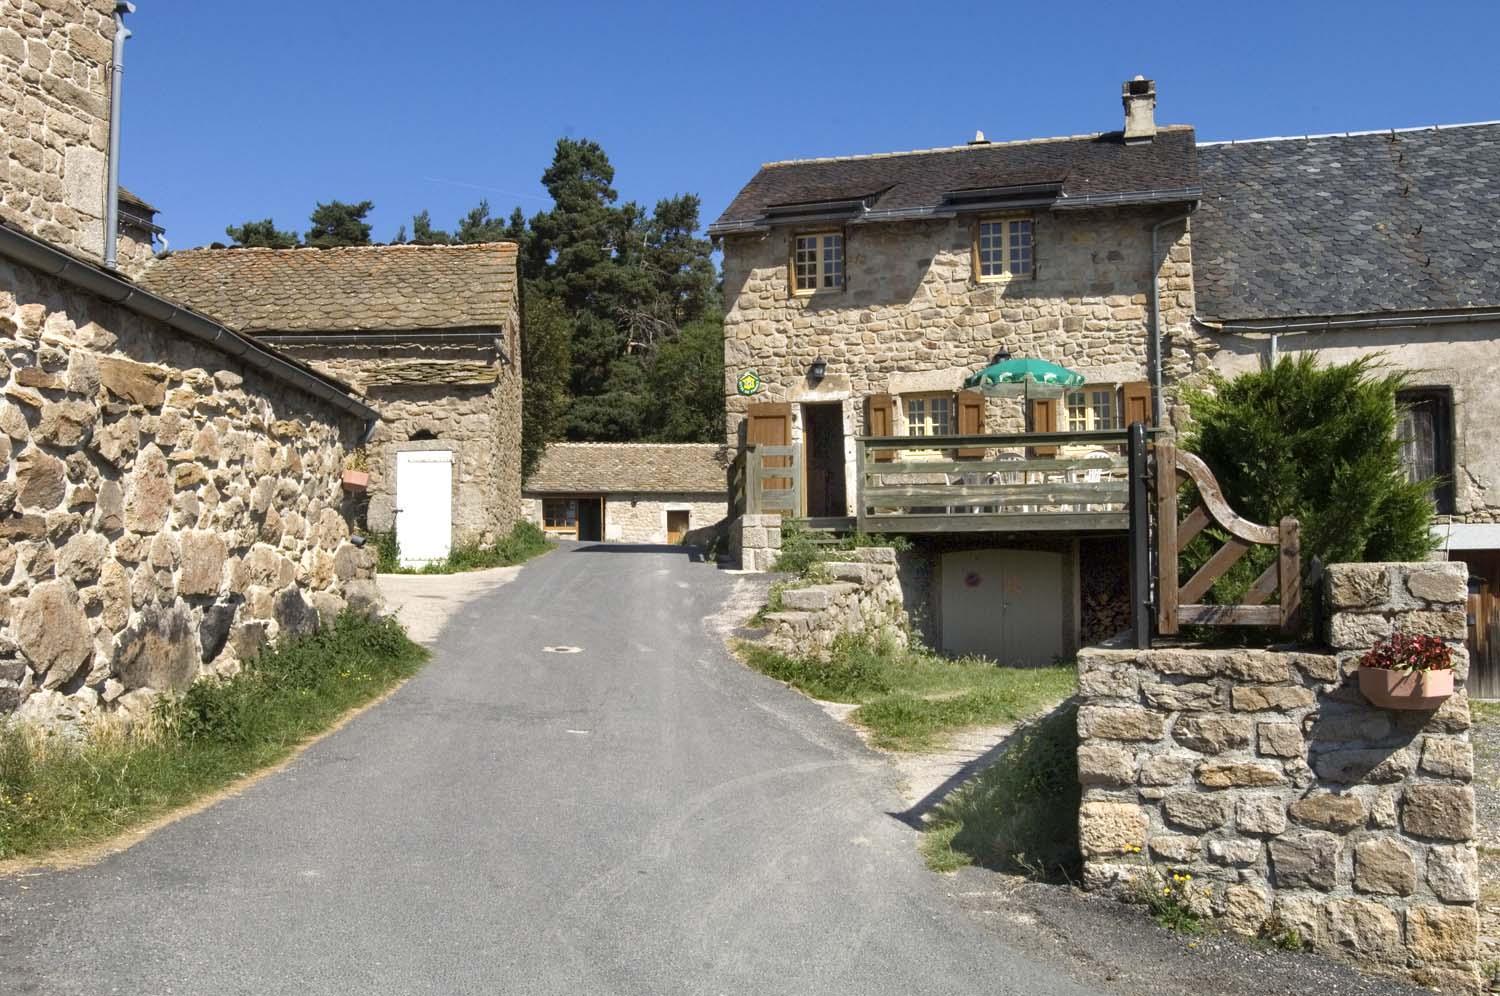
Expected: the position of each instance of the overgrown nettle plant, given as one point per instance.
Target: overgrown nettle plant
(1407, 671)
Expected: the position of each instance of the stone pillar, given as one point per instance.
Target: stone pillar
(755, 541)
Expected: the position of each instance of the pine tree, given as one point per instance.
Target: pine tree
(339, 224)
(261, 234)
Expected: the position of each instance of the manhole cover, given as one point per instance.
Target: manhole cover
(562, 650)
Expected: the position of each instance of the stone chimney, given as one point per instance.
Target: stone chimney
(1139, 97)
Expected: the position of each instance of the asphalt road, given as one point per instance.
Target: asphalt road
(643, 816)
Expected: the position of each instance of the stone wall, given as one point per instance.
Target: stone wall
(164, 511)
(54, 118)
(913, 319)
(1288, 797)
(461, 397)
(856, 594)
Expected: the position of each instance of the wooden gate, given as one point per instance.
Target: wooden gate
(1180, 603)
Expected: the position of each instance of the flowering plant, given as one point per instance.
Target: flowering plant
(1409, 652)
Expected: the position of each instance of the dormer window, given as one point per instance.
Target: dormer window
(817, 262)
(1002, 248)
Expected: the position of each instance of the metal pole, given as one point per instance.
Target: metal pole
(1140, 541)
(112, 193)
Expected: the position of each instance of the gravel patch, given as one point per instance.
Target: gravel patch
(1116, 948)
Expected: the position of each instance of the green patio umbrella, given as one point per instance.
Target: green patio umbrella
(1005, 370)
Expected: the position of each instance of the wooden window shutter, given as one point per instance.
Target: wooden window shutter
(1044, 419)
(880, 420)
(1135, 402)
(971, 422)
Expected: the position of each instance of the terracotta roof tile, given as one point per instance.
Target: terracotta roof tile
(350, 289)
(672, 468)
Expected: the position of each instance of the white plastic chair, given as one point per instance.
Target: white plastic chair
(1089, 475)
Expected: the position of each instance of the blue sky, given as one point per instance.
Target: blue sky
(243, 110)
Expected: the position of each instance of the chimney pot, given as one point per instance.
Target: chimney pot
(1139, 97)
(979, 139)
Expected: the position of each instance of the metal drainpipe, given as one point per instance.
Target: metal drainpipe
(1156, 330)
(112, 193)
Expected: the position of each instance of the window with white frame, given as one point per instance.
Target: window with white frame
(1092, 408)
(1003, 248)
(929, 414)
(818, 262)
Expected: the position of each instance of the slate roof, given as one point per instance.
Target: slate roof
(1083, 168)
(349, 289)
(1349, 224)
(600, 468)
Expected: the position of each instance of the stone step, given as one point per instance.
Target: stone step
(816, 597)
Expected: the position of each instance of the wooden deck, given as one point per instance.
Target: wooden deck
(1057, 482)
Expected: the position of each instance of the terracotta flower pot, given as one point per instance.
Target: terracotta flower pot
(1405, 689)
(356, 480)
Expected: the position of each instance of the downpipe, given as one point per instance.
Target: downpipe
(112, 188)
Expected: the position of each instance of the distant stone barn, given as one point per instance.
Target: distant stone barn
(628, 492)
(430, 335)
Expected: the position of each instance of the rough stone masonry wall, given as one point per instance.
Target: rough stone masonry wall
(54, 118)
(755, 542)
(457, 397)
(1272, 781)
(861, 595)
(912, 317)
(163, 511)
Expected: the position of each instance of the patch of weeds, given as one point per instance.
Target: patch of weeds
(799, 550)
(1172, 901)
(909, 698)
(387, 552)
(1021, 813)
(58, 793)
(524, 541)
(1280, 934)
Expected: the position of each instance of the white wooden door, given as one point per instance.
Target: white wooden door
(1006, 605)
(424, 505)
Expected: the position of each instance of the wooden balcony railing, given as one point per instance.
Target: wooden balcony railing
(1026, 482)
(773, 480)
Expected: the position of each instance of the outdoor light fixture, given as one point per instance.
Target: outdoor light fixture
(818, 369)
(1001, 356)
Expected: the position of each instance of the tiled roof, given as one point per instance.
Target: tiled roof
(350, 289)
(1083, 168)
(673, 468)
(1349, 224)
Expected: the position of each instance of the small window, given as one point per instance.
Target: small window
(1093, 408)
(818, 262)
(929, 415)
(1424, 426)
(1003, 249)
(560, 514)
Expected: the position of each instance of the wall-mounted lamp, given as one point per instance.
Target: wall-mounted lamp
(1001, 356)
(818, 370)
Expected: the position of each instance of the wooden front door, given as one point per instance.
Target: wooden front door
(769, 423)
(678, 522)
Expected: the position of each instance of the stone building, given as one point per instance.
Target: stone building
(428, 334)
(169, 488)
(627, 492)
(1377, 244)
(862, 290)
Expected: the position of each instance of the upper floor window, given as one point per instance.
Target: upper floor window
(1424, 426)
(1003, 249)
(818, 262)
(929, 414)
(1093, 408)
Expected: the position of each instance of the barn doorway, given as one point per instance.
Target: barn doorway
(678, 522)
(823, 444)
(591, 519)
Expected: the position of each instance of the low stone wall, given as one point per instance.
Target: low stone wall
(164, 511)
(1271, 780)
(755, 541)
(861, 595)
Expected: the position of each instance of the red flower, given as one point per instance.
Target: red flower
(1409, 652)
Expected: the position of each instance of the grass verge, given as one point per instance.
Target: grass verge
(524, 541)
(908, 699)
(56, 793)
(1021, 813)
